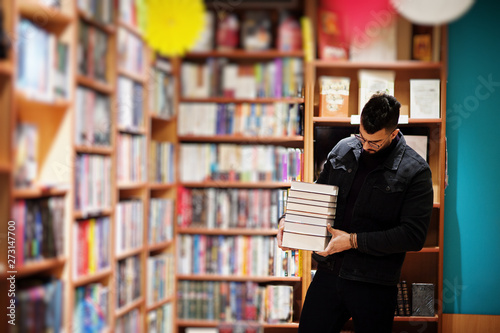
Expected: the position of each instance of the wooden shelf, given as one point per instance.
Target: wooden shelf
(215, 323)
(27, 103)
(346, 121)
(156, 305)
(228, 232)
(160, 246)
(130, 28)
(159, 186)
(131, 185)
(81, 281)
(236, 184)
(130, 130)
(433, 249)
(36, 267)
(126, 308)
(94, 84)
(129, 253)
(397, 65)
(6, 68)
(108, 28)
(46, 17)
(155, 117)
(79, 215)
(244, 54)
(416, 318)
(141, 78)
(37, 192)
(235, 278)
(94, 150)
(222, 100)
(295, 140)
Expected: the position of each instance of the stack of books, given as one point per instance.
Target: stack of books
(309, 209)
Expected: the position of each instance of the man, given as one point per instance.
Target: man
(383, 210)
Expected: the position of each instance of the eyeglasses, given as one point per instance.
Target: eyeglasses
(372, 144)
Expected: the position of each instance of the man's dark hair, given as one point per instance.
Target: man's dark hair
(380, 112)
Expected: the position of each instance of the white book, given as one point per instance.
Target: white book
(314, 187)
(305, 195)
(304, 201)
(374, 81)
(304, 228)
(297, 217)
(304, 242)
(424, 98)
(308, 209)
(418, 143)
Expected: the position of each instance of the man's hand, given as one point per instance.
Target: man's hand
(340, 242)
(279, 236)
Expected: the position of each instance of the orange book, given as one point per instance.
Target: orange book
(334, 96)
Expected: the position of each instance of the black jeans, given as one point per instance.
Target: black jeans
(331, 301)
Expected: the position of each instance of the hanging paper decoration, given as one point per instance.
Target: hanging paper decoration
(173, 26)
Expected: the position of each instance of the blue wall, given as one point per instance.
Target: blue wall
(472, 205)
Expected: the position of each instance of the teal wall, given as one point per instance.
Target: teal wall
(471, 283)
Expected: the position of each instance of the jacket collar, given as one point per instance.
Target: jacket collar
(393, 160)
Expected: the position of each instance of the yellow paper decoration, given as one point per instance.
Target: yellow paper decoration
(173, 26)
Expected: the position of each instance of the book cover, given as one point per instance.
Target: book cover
(331, 45)
(256, 34)
(425, 98)
(372, 82)
(423, 299)
(26, 163)
(304, 241)
(334, 96)
(289, 33)
(227, 31)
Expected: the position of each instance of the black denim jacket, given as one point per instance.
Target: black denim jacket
(392, 212)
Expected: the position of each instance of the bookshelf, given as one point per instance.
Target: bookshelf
(425, 265)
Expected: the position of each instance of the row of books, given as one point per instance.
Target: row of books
(128, 12)
(281, 77)
(91, 307)
(161, 274)
(131, 154)
(252, 31)
(92, 118)
(38, 307)
(130, 54)
(130, 106)
(162, 85)
(161, 220)
(248, 119)
(234, 255)
(229, 208)
(92, 52)
(128, 280)
(129, 215)
(100, 10)
(160, 320)
(92, 183)
(334, 93)
(232, 162)
(39, 229)
(42, 63)
(129, 322)
(161, 162)
(234, 301)
(91, 246)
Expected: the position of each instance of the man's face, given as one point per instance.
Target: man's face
(377, 141)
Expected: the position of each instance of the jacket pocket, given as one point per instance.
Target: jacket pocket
(385, 199)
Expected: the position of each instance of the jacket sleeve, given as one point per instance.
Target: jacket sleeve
(411, 232)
